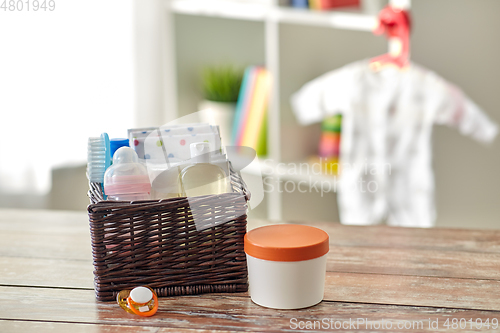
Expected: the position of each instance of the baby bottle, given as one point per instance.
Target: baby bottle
(127, 179)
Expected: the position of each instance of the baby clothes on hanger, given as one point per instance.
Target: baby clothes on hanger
(388, 117)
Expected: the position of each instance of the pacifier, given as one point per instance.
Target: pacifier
(141, 301)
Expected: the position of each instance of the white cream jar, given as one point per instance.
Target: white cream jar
(286, 265)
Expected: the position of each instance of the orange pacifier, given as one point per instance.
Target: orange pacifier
(141, 301)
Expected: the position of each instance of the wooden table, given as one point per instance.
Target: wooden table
(378, 277)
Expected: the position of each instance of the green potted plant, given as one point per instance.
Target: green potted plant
(221, 86)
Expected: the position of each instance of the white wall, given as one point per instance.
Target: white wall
(205, 41)
(460, 40)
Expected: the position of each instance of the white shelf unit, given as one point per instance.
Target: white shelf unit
(271, 13)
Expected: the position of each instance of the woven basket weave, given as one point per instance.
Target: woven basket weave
(156, 243)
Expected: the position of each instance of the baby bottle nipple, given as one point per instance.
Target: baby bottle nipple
(141, 301)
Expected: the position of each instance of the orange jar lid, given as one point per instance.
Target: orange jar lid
(286, 242)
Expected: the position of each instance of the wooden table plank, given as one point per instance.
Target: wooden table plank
(16, 326)
(417, 262)
(485, 241)
(43, 222)
(375, 272)
(46, 272)
(73, 242)
(346, 287)
(413, 290)
(33, 245)
(212, 312)
(379, 265)
(76, 223)
(341, 258)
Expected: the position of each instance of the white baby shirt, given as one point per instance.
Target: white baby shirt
(386, 137)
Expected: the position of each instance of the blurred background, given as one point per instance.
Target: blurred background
(88, 67)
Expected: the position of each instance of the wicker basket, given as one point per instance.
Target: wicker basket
(156, 243)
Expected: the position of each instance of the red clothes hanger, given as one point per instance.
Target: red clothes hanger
(396, 24)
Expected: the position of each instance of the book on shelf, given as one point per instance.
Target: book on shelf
(243, 103)
(331, 135)
(299, 3)
(260, 2)
(332, 4)
(251, 110)
(315, 4)
(261, 148)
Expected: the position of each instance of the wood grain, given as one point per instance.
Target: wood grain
(16, 326)
(469, 240)
(375, 272)
(348, 287)
(71, 241)
(209, 312)
(417, 262)
(485, 241)
(461, 240)
(42, 222)
(344, 287)
(413, 290)
(46, 272)
(30, 244)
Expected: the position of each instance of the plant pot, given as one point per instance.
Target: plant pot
(219, 113)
